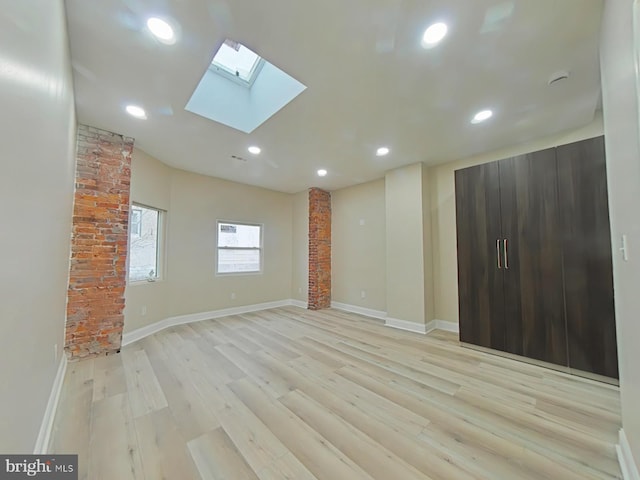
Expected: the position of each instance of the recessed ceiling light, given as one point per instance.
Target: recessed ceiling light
(382, 151)
(136, 111)
(161, 29)
(255, 150)
(482, 116)
(434, 34)
(322, 172)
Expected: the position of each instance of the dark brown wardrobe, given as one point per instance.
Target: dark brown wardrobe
(534, 257)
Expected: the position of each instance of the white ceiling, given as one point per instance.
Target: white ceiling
(370, 83)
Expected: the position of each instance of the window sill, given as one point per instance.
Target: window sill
(133, 283)
(236, 274)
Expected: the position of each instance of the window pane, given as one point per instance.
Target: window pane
(236, 59)
(134, 226)
(230, 260)
(234, 235)
(143, 252)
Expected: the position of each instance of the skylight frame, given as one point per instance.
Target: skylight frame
(232, 74)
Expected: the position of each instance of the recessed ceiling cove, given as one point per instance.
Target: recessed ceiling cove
(242, 90)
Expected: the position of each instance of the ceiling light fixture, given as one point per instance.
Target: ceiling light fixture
(322, 172)
(434, 34)
(161, 29)
(382, 151)
(136, 111)
(254, 150)
(482, 116)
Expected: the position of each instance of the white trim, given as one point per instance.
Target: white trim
(44, 435)
(430, 326)
(446, 325)
(397, 323)
(140, 333)
(218, 248)
(131, 337)
(405, 325)
(367, 312)
(299, 303)
(625, 457)
(160, 243)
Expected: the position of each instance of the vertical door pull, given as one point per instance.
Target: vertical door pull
(506, 255)
(498, 253)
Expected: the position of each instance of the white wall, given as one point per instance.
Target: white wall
(443, 207)
(37, 121)
(194, 203)
(620, 105)
(427, 246)
(151, 186)
(300, 252)
(197, 202)
(405, 244)
(358, 240)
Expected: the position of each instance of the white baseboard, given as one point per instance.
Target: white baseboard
(140, 333)
(397, 323)
(44, 435)
(299, 303)
(446, 325)
(405, 325)
(430, 326)
(625, 457)
(367, 312)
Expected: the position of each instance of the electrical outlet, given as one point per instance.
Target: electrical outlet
(143, 310)
(363, 294)
(362, 221)
(233, 295)
(299, 289)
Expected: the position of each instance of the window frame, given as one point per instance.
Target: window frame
(228, 73)
(260, 248)
(160, 242)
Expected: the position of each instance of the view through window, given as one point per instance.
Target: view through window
(236, 62)
(144, 243)
(239, 248)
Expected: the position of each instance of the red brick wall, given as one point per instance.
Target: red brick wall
(99, 243)
(319, 249)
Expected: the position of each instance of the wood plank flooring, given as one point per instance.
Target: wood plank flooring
(293, 394)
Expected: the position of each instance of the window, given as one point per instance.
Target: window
(135, 225)
(237, 63)
(144, 243)
(239, 248)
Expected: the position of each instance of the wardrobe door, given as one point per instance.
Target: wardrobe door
(480, 285)
(587, 257)
(533, 284)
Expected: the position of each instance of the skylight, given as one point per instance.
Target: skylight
(237, 63)
(240, 89)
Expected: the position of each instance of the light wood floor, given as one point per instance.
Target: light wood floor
(293, 394)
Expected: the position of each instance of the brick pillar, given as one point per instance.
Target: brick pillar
(97, 277)
(319, 249)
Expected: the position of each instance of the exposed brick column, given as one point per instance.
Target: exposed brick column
(95, 298)
(319, 249)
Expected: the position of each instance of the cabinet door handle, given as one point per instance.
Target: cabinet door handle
(506, 254)
(498, 253)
